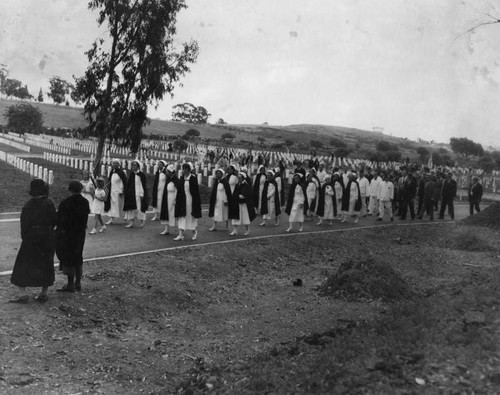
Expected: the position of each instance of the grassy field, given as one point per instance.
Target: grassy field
(56, 116)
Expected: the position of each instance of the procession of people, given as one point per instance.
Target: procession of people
(318, 193)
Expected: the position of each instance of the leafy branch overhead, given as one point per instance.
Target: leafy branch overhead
(133, 68)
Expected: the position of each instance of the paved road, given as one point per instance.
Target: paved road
(117, 239)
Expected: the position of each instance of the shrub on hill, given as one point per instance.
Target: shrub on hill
(24, 118)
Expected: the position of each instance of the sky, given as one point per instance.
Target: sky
(411, 68)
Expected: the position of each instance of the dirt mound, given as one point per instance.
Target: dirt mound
(489, 217)
(366, 279)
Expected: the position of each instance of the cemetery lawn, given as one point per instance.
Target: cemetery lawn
(410, 309)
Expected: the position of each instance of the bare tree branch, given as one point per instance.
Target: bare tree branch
(492, 22)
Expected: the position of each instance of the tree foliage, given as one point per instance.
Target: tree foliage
(192, 133)
(4, 72)
(180, 145)
(342, 152)
(487, 163)
(423, 153)
(14, 88)
(187, 112)
(465, 147)
(315, 143)
(133, 68)
(336, 142)
(40, 96)
(228, 136)
(385, 146)
(24, 118)
(58, 89)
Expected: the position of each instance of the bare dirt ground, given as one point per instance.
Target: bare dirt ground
(235, 318)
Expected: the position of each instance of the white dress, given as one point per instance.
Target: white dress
(328, 214)
(139, 194)
(221, 208)
(98, 205)
(161, 187)
(339, 191)
(88, 191)
(353, 197)
(271, 208)
(278, 183)
(233, 180)
(297, 213)
(311, 196)
(262, 180)
(244, 217)
(188, 222)
(116, 207)
(171, 196)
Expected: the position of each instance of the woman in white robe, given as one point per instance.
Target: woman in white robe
(116, 184)
(339, 191)
(167, 207)
(297, 203)
(158, 189)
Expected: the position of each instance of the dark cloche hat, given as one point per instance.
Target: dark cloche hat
(75, 186)
(38, 187)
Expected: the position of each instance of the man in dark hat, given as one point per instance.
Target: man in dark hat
(475, 195)
(72, 217)
(448, 193)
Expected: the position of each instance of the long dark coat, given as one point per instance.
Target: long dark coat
(346, 196)
(320, 212)
(213, 194)
(475, 193)
(263, 205)
(34, 266)
(129, 198)
(282, 192)
(123, 176)
(180, 202)
(72, 217)
(244, 190)
(256, 186)
(291, 195)
(164, 201)
(155, 188)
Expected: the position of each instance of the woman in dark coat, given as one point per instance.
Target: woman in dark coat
(167, 211)
(219, 199)
(241, 207)
(187, 203)
(270, 205)
(296, 205)
(136, 195)
(34, 266)
(72, 217)
(258, 187)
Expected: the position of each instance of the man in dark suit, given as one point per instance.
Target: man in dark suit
(475, 195)
(448, 193)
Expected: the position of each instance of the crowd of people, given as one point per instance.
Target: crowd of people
(236, 200)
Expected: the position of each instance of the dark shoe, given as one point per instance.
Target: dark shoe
(379, 219)
(41, 298)
(78, 287)
(392, 219)
(440, 217)
(66, 289)
(21, 299)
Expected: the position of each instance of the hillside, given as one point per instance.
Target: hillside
(58, 116)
